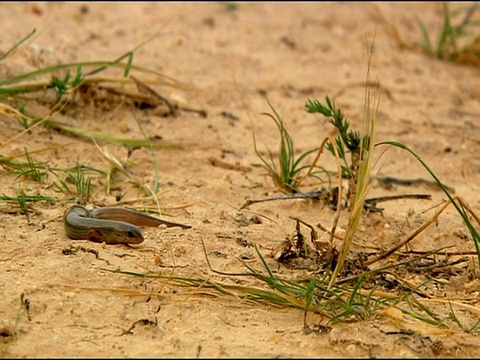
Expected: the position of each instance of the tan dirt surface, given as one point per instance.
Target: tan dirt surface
(59, 300)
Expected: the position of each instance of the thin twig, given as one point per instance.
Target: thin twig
(408, 239)
(394, 265)
(315, 195)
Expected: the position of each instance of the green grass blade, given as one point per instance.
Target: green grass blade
(56, 68)
(460, 210)
(4, 56)
(426, 38)
(270, 167)
(264, 263)
(130, 143)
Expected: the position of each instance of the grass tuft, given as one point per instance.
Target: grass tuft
(286, 170)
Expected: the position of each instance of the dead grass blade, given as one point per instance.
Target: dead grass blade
(363, 176)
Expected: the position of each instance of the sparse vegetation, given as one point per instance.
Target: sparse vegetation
(329, 290)
(332, 284)
(68, 84)
(455, 41)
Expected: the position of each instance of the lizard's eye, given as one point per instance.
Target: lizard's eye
(131, 235)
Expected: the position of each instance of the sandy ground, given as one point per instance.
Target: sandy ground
(59, 301)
